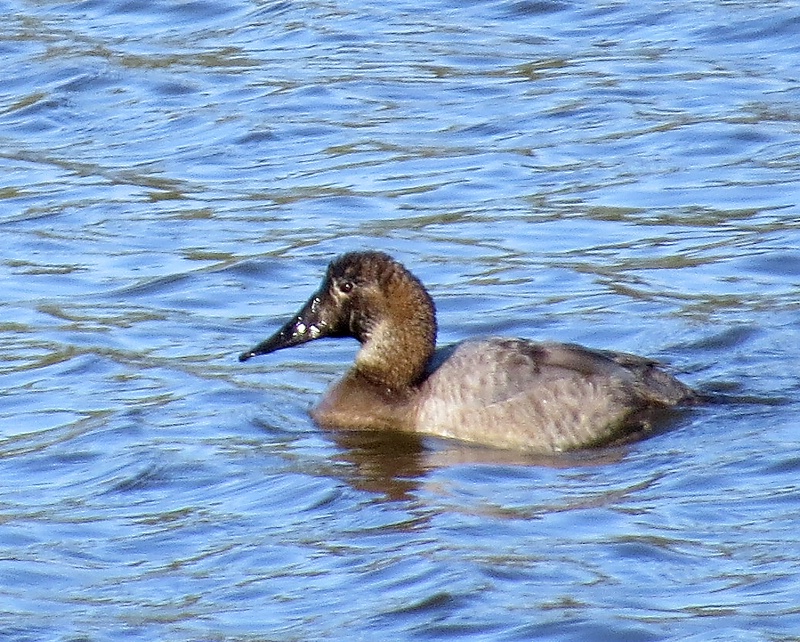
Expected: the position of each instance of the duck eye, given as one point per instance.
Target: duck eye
(346, 286)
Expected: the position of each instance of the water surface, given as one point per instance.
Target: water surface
(174, 177)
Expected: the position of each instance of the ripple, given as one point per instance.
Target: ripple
(175, 177)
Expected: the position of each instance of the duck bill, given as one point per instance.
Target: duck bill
(306, 326)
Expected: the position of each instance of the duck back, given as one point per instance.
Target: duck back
(542, 397)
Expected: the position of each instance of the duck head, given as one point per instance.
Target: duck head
(371, 297)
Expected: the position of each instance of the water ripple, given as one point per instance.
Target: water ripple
(175, 177)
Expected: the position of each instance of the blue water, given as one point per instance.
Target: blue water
(174, 177)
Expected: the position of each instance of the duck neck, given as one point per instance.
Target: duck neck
(402, 339)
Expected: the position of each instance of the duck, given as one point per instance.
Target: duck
(499, 392)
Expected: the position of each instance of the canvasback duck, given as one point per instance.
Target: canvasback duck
(499, 392)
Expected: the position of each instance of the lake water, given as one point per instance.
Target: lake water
(174, 177)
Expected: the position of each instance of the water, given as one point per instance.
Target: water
(174, 178)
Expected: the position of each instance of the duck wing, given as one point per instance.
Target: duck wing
(542, 397)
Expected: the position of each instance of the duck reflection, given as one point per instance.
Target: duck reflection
(396, 465)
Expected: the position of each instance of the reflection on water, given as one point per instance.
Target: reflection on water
(176, 177)
(396, 465)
